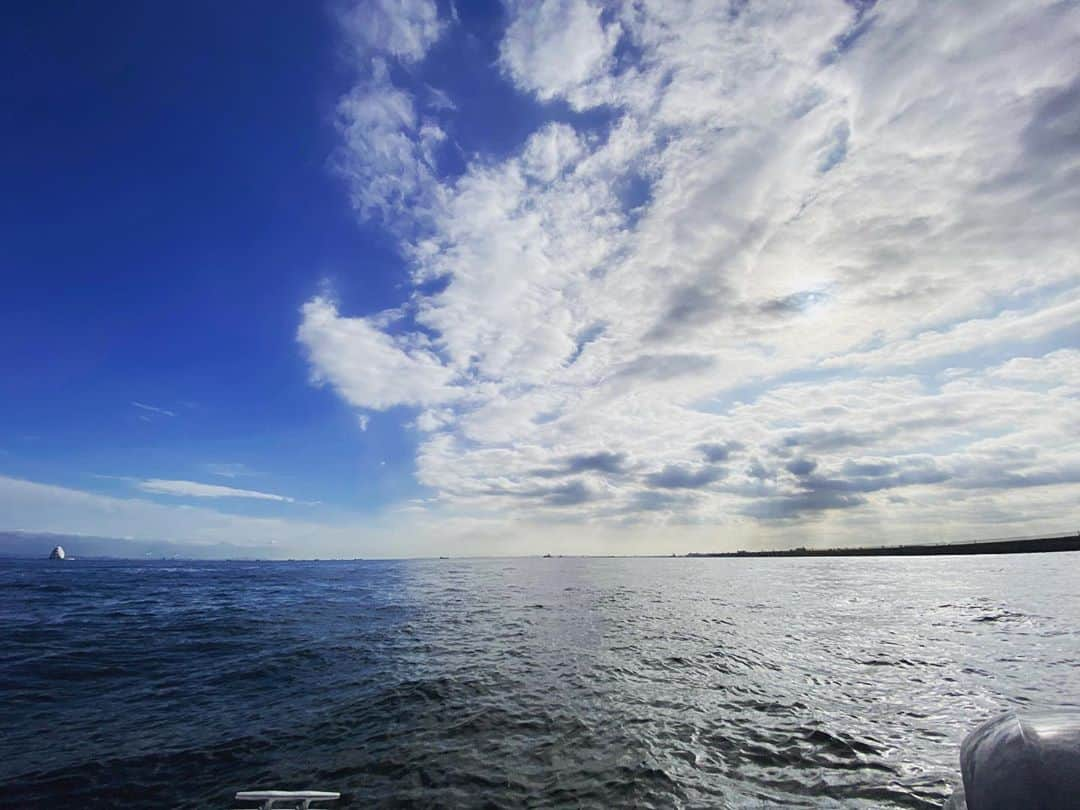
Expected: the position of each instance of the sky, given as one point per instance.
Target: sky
(431, 278)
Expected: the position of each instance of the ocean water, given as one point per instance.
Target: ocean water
(522, 682)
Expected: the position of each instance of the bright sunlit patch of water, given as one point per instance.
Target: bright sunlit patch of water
(588, 682)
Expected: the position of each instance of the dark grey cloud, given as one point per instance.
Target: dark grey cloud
(612, 463)
(826, 439)
(873, 468)
(1006, 479)
(801, 466)
(652, 500)
(758, 470)
(822, 484)
(708, 297)
(852, 477)
(792, 506)
(569, 494)
(792, 304)
(1055, 126)
(721, 451)
(1050, 141)
(661, 367)
(735, 8)
(676, 477)
(818, 493)
(912, 477)
(688, 307)
(600, 462)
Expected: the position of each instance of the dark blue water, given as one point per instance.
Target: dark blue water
(502, 683)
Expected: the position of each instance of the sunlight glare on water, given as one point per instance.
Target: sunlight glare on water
(499, 682)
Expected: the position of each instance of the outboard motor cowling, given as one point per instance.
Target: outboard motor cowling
(1014, 761)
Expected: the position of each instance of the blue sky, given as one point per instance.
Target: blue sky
(167, 206)
(393, 278)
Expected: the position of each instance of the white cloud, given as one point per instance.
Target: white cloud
(422, 530)
(405, 29)
(792, 205)
(550, 152)
(152, 409)
(1008, 327)
(1058, 370)
(553, 47)
(439, 99)
(389, 150)
(229, 469)
(368, 367)
(194, 489)
(388, 153)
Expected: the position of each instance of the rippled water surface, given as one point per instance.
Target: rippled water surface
(540, 682)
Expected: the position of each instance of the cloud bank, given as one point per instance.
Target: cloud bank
(815, 268)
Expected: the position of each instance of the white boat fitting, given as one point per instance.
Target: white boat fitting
(297, 799)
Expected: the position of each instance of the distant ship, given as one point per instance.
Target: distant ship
(57, 553)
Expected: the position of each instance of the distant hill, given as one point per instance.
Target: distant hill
(38, 545)
(1028, 545)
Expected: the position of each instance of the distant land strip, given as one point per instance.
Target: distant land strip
(1040, 545)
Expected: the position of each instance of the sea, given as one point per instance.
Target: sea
(561, 682)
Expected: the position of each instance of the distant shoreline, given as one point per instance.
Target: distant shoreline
(1041, 545)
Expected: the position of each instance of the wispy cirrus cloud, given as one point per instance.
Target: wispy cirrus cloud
(230, 469)
(401, 28)
(388, 139)
(194, 489)
(152, 409)
(739, 295)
